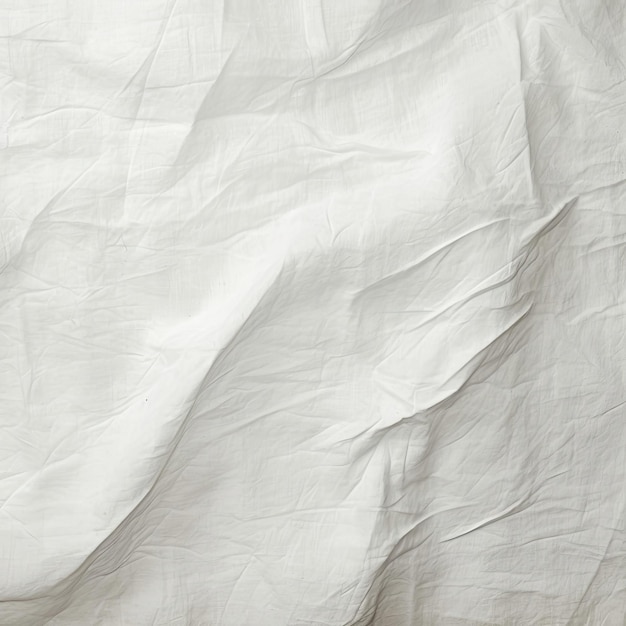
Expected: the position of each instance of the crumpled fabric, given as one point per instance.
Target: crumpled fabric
(312, 312)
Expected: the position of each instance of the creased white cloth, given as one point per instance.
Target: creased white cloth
(312, 312)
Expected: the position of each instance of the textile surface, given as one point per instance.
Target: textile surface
(312, 312)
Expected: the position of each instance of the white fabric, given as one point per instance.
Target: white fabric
(312, 312)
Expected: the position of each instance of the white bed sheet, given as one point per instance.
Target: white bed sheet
(312, 312)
